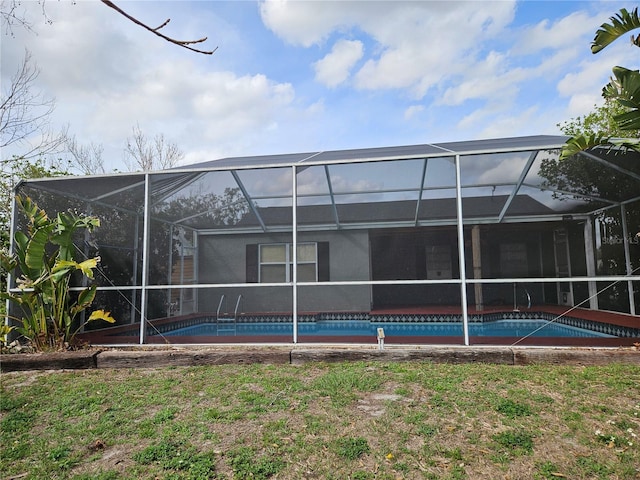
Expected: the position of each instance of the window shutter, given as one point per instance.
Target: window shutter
(252, 263)
(323, 261)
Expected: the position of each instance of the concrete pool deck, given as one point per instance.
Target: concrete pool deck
(156, 357)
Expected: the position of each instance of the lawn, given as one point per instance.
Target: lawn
(406, 420)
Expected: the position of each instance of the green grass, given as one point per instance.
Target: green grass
(512, 409)
(174, 458)
(248, 463)
(516, 443)
(352, 448)
(411, 420)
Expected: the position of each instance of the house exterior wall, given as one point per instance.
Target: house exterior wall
(223, 260)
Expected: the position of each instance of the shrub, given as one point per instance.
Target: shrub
(44, 265)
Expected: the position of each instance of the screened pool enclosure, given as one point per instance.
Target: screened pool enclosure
(477, 242)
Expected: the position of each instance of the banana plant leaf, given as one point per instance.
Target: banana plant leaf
(85, 298)
(101, 315)
(34, 258)
(621, 24)
(37, 217)
(66, 226)
(580, 143)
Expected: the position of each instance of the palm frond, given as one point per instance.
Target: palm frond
(623, 22)
(624, 88)
(581, 143)
(624, 85)
(628, 121)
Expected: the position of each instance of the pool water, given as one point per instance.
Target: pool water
(500, 328)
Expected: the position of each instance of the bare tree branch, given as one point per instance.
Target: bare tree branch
(86, 158)
(182, 43)
(11, 16)
(25, 114)
(146, 155)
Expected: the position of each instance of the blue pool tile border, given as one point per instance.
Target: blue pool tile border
(606, 328)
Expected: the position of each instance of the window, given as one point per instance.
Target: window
(276, 262)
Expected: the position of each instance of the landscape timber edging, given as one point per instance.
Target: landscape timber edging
(183, 358)
(575, 356)
(146, 358)
(16, 362)
(498, 355)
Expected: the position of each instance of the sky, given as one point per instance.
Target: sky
(302, 76)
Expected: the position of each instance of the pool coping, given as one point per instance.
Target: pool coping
(189, 355)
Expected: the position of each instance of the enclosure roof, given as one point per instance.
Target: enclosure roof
(500, 180)
(496, 145)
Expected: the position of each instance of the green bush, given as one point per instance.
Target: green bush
(43, 265)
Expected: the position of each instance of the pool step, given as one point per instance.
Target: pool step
(227, 325)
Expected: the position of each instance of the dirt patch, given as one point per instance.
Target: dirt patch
(375, 404)
(104, 459)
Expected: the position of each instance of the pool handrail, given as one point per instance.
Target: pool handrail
(515, 299)
(220, 305)
(235, 313)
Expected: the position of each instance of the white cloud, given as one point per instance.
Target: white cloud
(566, 32)
(304, 23)
(501, 76)
(529, 121)
(413, 111)
(424, 44)
(419, 71)
(459, 54)
(334, 68)
(583, 85)
(418, 43)
(493, 121)
(108, 75)
(490, 78)
(217, 105)
(583, 103)
(81, 48)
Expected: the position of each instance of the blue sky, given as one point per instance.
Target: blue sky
(291, 76)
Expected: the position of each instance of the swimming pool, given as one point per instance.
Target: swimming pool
(499, 328)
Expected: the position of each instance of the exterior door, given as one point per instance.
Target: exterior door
(563, 266)
(188, 276)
